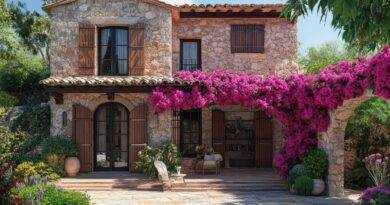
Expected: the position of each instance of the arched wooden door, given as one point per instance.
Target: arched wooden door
(111, 137)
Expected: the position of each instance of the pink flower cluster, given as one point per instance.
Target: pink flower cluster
(300, 102)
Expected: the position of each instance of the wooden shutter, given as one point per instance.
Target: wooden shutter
(247, 38)
(86, 50)
(138, 136)
(263, 140)
(136, 53)
(176, 128)
(218, 131)
(82, 134)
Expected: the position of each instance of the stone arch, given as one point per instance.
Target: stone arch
(332, 141)
(129, 103)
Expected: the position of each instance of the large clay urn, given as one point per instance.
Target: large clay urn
(318, 187)
(72, 166)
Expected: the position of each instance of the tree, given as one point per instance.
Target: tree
(319, 58)
(364, 24)
(8, 38)
(33, 29)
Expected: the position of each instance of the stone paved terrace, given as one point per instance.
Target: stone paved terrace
(121, 197)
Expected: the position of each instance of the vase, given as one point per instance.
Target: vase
(318, 187)
(72, 166)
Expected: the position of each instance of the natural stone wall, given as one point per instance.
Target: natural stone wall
(159, 125)
(332, 141)
(65, 21)
(280, 45)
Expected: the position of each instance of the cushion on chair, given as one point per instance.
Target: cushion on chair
(209, 158)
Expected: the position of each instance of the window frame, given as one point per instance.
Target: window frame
(246, 49)
(199, 42)
(182, 144)
(110, 45)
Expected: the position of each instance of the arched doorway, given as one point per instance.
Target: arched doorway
(111, 140)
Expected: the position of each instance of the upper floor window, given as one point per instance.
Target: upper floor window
(113, 51)
(190, 55)
(247, 38)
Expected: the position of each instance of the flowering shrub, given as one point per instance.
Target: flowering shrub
(377, 167)
(7, 183)
(370, 195)
(300, 102)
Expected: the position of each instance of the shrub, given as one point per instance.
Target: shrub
(297, 171)
(358, 177)
(29, 169)
(316, 163)
(7, 183)
(59, 145)
(56, 148)
(11, 145)
(21, 76)
(7, 100)
(166, 153)
(375, 196)
(49, 194)
(303, 185)
(34, 120)
(378, 168)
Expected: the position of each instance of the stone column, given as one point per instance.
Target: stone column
(332, 141)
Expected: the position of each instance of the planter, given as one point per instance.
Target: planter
(318, 187)
(72, 166)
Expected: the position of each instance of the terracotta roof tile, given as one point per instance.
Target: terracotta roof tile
(112, 81)
(231, 7)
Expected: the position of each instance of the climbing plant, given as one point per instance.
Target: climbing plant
(301, 102)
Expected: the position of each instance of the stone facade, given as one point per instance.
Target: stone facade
(279, 57)
(332, 141)
(65, 21)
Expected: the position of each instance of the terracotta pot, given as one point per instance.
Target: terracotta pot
(72, 166)
(318, 187)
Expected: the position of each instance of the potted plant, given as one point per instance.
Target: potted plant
(316, 165)
(64, 149)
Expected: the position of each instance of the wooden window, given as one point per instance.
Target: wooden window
(136, 54)
(247, 38)
(113, 51)
(190, 55)
(190, 131)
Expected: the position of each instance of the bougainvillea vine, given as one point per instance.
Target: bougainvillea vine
(301, 102)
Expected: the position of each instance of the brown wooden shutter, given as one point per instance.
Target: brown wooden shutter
(82, 134)
(86, 53)
(176, 128)
(138, 136)
(263, 138)
(136, 53)
(218, 131)
(247, 38)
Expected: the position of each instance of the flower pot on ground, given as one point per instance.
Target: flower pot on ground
(318, 187)
(72, 166)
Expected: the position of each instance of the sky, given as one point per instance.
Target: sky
(311, 31)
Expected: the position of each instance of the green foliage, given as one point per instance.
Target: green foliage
(34, 120)
(364, 24)
(316, 163)
(382, 200)
(28, 169)
(7, 100)
(33, 29)
(49, 194)
(10, 144)
(319, 58)
(8, 38)
(60, 146)
(297, 171)
(369, 128)
(166, 153)
(358, 177)
(20, 76)
(303, 185)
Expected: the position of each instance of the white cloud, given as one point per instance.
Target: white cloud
(179, 2)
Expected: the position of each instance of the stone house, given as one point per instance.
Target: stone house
(108, 55)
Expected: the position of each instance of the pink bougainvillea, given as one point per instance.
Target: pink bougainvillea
(300, 102)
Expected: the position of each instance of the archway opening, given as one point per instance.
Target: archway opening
(111, 140)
